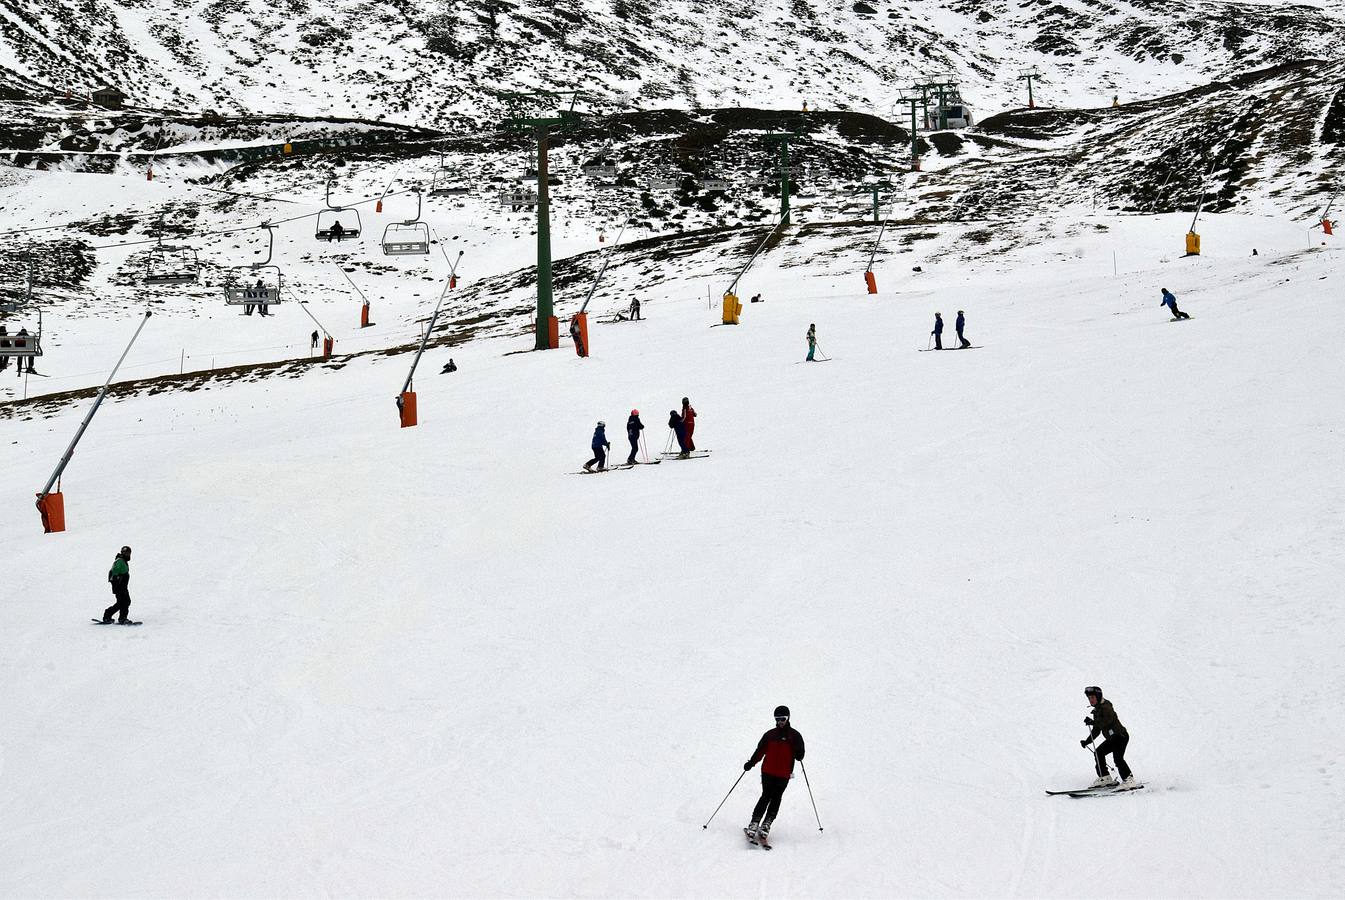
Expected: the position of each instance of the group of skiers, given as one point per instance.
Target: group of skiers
(937, 333)
(683, 425)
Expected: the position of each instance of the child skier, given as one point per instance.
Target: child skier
(777, 750)
(633, 428)
(600, 447)
(1104, 722)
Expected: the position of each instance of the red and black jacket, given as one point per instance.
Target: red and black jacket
(779, 747)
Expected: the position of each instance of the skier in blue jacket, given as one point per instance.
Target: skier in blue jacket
(1171, 303)
(600, 446)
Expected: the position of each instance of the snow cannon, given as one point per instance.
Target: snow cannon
(406, 408)
(378, 207)
(452, 281)
(552, 333)
(52, 509)
(1328, 226)
(1192, 244)
(733, 309)
(364, 314)
(580, 331)
(871, 281)
(287, 149)
(327, 343)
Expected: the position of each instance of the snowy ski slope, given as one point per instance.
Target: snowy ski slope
(431, 662)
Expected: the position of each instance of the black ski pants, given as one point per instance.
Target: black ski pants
(965, 342)
(599, 457)
(122, 607)
(772, 791)
(938, 340)
(1178, 314)
(1116, 746)
(634, 448)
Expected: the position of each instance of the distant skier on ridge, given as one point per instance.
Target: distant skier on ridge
(1105, 723)
(776, 751)
(1170, 302)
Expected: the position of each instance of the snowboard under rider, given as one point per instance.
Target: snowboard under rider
(1170, 302)
(959, 325)
(633, 428)
(776, 751)
(600, 447)
(938, 331)
(119, 576)
(1104, 722)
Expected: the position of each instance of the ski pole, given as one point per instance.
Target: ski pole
(823, 352)
(931, 341)
(722, 802)
(810, 795)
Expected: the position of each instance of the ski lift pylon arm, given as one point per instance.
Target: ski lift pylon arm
(425, 339)
(606, 258)
(98, 401)
(783, 221)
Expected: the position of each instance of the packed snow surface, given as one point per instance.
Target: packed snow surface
(433, 661)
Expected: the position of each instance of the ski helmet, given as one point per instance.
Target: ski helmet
(126, 550)
(634, 412)
(602, 424)
(1093, 691)
(782, 712)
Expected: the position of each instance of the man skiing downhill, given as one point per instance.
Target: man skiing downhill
(119, 576)
(633, 428)
(776, 751)
(600, 446)
(1104, 722)
(1170, 301)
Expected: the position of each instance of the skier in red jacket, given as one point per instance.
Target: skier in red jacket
(776, 752)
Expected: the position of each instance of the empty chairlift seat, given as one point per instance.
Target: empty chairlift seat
(168, 265)
(406, 239)
(518, 198)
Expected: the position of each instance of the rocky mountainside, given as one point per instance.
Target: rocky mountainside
(444, 62)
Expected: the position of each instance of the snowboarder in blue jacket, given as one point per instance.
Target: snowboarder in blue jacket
(600, 446)
(1171, 303)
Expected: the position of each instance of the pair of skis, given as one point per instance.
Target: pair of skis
(1103, 791)
(757, 839)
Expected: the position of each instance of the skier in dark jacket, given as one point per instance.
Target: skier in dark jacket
(812, 342)
(1104, 722)
(600, 446)
(776, 751)
(119, 576)
(633, 428)
(960, 324)
(679, 429)
(938, 331)
(1170, 302)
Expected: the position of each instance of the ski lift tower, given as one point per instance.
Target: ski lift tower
(525, 113)
(914, 97)
(783, 137)
(946, 93)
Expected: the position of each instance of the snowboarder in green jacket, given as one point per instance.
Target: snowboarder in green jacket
(119, 576)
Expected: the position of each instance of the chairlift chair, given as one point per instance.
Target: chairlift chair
(170, 265)
(239, 287)
(408, 238)
(664, 184)
(599, 170)
(332, 216)
(446, 188)
(714, 185)
(518, 198)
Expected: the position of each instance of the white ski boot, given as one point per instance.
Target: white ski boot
(1129, 784)
(1103, 781)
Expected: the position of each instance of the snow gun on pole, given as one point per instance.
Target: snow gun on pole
(364, 304)
(733, 307)
(1193, 238)
(1327, 225)
(579, 324)
(406, 400)
(870, 279)
(51, 504)
(327, 340)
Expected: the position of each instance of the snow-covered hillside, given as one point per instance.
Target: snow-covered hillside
(444, 62)
(432, 661)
